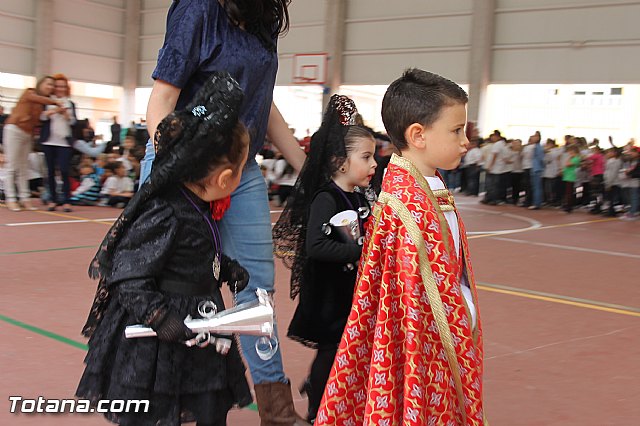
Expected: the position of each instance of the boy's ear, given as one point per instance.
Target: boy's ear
(223, 178)
(414, 135)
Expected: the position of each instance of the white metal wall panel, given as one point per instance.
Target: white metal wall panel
(17, 34)
(87, 41)
(20, 62)
(90, 15)
(19, 7)
(153, 22)
(383, 69)
(88, 68)
(571, 41)
(306, 39)
(546, 4)
(567, 65)
(383, 40)
(154, 4)
(17, 31)
(149, 47)
(409, 33)
(363, 9)
(153, 19)
(554, 25)
(112, 3)
(144, 73)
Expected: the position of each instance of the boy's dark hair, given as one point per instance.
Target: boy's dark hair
(417, 97)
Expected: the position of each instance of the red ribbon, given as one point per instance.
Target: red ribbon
(219, 207)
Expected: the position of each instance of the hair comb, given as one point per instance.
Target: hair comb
(346, 109)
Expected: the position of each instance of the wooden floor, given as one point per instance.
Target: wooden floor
(559, 300)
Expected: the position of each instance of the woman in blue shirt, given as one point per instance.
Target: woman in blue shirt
(240, 37)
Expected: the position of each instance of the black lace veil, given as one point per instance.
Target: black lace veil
(326, 155)
(187, 142)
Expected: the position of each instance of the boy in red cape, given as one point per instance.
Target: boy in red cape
(411, 353)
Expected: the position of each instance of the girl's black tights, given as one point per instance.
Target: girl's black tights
(320, 370)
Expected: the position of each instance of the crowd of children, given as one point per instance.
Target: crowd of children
(576, 174)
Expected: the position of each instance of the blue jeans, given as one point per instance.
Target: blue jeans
(147, 162)
(58, 156)
(245, 230)
(536, 188)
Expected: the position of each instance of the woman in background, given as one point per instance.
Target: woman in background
(18, 140)
(56, 141)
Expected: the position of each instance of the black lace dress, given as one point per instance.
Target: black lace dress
(170, 240)
(329, 274)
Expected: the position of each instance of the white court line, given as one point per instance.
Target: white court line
(57, 222)
(534, 224)
(574, 248)
(562, 342)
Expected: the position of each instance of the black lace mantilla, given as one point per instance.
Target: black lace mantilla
(326, 155)
(186, 141)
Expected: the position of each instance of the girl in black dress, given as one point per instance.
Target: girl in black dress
(324, 266)
(159, 262)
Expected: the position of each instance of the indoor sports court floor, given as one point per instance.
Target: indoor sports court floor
(559, 299)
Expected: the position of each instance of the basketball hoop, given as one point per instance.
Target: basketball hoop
(309, 68)
(304, 80)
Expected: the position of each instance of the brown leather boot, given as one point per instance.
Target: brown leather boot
(275, 405)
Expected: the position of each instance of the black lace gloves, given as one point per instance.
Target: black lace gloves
(233, 274)
(170, 328)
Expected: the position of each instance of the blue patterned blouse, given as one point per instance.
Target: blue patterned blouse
(200, 39)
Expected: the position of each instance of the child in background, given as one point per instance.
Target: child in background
(611, 179)
(412, 352)
(322, 266)
(99, 165)
(126, 148)
(118, 189)
(570, 175)
(631, 173)
(88, 193)
(37, 169)
(155, 267)
(135, 156)
(3, 174)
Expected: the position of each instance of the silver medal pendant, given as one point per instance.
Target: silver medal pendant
(216, 266)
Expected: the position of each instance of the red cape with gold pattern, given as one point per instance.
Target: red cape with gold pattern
(409, 355)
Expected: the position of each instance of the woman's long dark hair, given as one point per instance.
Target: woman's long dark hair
(266, 19)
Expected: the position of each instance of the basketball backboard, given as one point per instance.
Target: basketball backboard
(309, 68)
